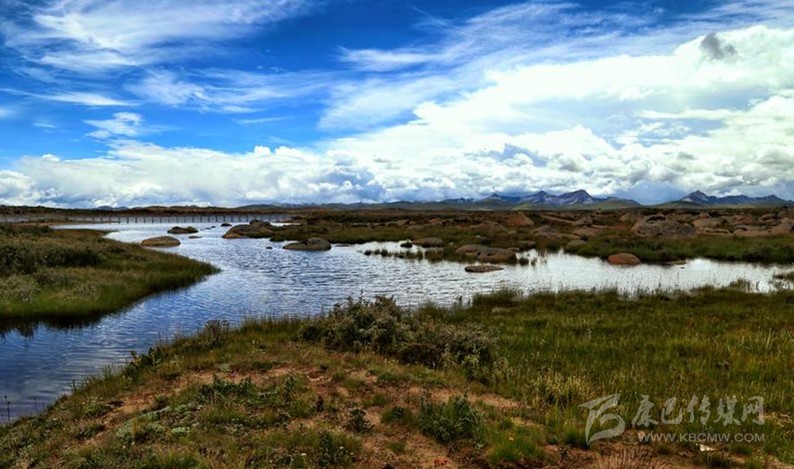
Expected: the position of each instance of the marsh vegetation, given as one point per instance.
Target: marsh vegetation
(495, 383)
(46, 273)
(669, 236)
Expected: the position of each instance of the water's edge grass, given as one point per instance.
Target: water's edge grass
(495, 383)
(48, 274)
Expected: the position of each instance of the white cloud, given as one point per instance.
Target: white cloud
(135, 173)
(226, 91)
(124, 124)
(673, 109)
(86, 36)
(551, 35)
(81, 98)
(18, 189)
(261, 120)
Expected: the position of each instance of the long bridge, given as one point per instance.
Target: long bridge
(128, 218)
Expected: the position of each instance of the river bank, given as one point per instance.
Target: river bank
(48, 274)
(370, 384)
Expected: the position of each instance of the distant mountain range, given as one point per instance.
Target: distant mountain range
(544, 199)
(701, 199)
(577, 200)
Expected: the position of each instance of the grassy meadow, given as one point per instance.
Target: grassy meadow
(495, 383)
(46, 273)
(774, 250)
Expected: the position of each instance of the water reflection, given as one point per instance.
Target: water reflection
(39, 363)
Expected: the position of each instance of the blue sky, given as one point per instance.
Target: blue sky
(120, 102)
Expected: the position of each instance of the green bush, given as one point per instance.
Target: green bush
(383, 327)
(455, 420)
(28, 255)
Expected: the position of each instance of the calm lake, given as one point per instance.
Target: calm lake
(40, 363)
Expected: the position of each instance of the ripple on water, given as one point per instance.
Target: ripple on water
(37, 367)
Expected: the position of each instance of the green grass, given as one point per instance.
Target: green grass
(61, 274)
(563, 350)
(778, 250)
(334, 391)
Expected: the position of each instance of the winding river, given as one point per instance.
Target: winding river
(42, 362)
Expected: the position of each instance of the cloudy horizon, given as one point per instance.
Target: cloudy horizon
(238, 102)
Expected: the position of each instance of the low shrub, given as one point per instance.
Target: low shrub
(454, 420)
(381, 326)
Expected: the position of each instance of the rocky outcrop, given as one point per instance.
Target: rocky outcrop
(496, 255)
(161, 242)
(429, 242)
(483, 268)
(545, 230)
(311, 244)
(182, 230)
(624, 258)
(586, 233)
(487, 254)
(469, 249)
(518, 220)
(713, 232)
(558, 220)
(577, 243)
(489, 227)
(657, 226)
(256, 229)
(750, 231)
(708, 222)
(784, 228)
(741, 219)
(629, 217)
(586, 220)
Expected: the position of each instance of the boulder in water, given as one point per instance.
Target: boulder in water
(483, 268)
(181, 230)
(311, 244)
(429, 242)
(161, 242)
(624, 258)
(256, 229)
(487, 254)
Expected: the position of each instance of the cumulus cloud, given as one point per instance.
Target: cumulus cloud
(136, 173)
(715, 49)
(539, 33)
(661, 109)
(18, 189)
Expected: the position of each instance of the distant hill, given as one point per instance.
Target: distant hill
(577, 199)
(699, 199)
(542, 200)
